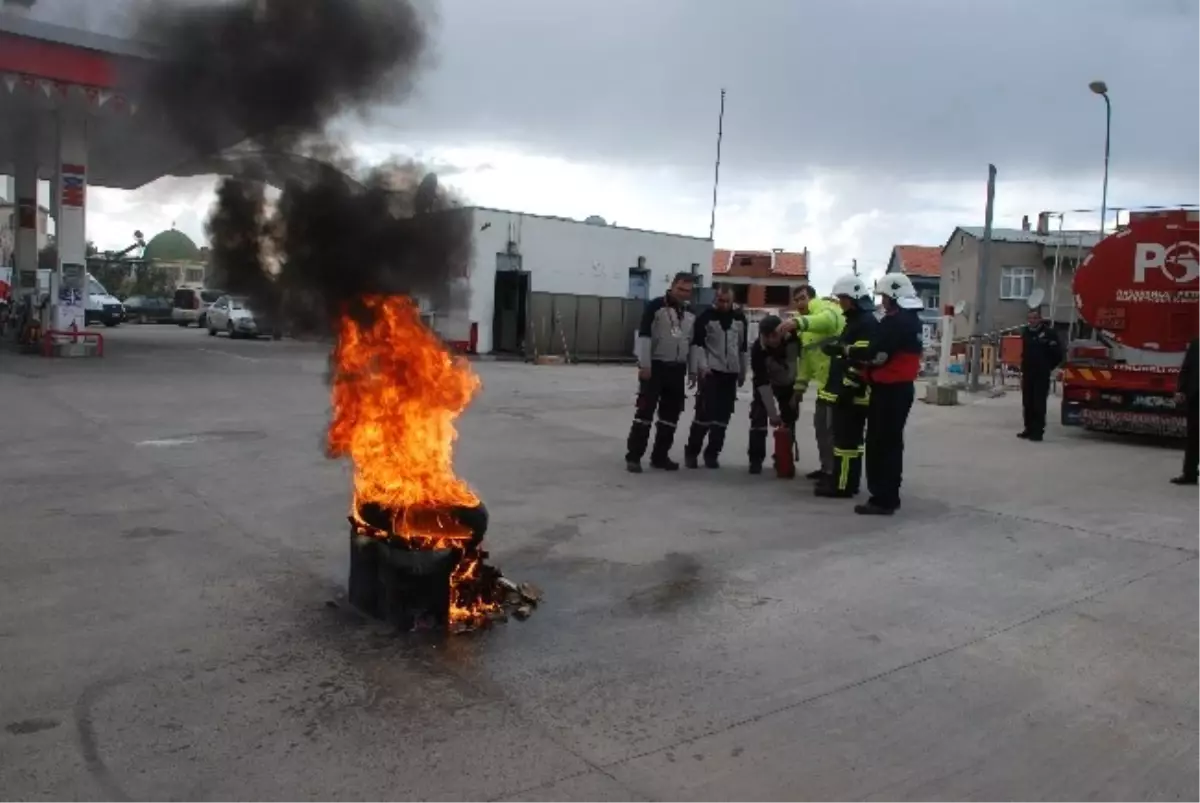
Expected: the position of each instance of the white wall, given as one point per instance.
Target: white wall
(564, 256)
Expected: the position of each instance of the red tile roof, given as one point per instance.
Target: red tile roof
(919, 260)
(784, 263)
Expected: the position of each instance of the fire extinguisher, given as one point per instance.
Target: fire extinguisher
(785, 457)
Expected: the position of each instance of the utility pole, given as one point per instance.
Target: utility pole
(712, 221)
(854, 266)
(981, 282)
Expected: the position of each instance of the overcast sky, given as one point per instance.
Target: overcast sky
(850, 125)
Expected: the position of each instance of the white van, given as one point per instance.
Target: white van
(101, 306)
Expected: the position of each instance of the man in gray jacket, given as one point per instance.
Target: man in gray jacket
(719, 362)
(663, 340)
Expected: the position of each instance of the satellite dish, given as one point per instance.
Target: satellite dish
(960, 307)
(1035, 298)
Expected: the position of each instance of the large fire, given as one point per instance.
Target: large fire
(396, 394)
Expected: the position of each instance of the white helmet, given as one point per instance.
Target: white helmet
(850, 285)
(853, 287)
(899, 288)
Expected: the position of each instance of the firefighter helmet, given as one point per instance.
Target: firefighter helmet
(899, 288)
(854, 288)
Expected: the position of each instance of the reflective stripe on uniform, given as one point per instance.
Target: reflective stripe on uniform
(845, 458)
(642, 423)
(671, 424)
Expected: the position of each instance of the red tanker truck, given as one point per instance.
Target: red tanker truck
(1139, 290)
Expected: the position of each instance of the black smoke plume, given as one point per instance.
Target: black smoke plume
(273, 74)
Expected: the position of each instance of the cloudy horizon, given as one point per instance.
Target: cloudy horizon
(850, 125)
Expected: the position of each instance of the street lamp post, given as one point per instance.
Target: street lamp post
(1101, 89)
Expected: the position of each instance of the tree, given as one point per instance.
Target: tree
(151, 281)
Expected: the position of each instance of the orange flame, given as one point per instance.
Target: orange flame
(396, 394)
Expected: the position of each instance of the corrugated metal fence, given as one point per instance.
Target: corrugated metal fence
(587, 328)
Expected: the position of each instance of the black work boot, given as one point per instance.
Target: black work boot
(830, 492)
(874, 509)
(711, 462)
(815, 475)
(663, 463)
(1184, 479)
(633, 466)
(690, 460)
(756, 468)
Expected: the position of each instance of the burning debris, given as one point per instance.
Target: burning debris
(346, 250)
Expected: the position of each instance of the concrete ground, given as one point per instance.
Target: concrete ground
(173, 544)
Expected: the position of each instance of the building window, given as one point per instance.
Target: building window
(777, 295)
(932, 301)
(741, 293)
(1016, 283)
(195, 275)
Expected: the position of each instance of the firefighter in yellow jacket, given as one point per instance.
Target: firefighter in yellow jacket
(819, 323)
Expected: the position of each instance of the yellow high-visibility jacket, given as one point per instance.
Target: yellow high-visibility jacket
(823, 323)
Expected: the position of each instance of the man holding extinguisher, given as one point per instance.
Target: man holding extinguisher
(773, 359)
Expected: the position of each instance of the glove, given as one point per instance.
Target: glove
(833, 350)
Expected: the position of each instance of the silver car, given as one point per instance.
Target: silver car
(232, 315)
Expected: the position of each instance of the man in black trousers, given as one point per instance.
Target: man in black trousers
(1040, 355)
(663, 340)
(1188, 397)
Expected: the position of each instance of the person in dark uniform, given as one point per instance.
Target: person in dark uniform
(892, 360)
(1188, 397)
(719, 361)
(846, 390)
(663, 340)
(1040, 355)
(773, 363)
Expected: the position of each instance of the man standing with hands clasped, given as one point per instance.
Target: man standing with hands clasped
(663, 340)
(1040, 355)
(1188, 397)
(719, 361)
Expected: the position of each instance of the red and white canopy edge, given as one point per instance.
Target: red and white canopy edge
(94, 96)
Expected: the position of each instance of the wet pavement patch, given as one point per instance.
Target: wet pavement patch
(679, 583)
(25, 727)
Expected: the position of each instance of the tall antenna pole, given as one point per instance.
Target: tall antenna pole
(712, 221)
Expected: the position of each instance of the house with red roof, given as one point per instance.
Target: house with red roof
(923, 265)
(760, 279)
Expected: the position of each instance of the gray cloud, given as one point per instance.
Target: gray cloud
(906, 88)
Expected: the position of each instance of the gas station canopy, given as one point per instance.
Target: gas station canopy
(47, 70)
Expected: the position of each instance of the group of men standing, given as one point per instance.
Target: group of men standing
(861, 368)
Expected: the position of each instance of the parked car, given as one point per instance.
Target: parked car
(191, 305)
(101, 306)
(232, 315)
(149, 309)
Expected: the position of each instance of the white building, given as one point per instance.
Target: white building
(515, 255)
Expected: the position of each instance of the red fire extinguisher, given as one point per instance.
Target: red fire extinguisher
(785, 457)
